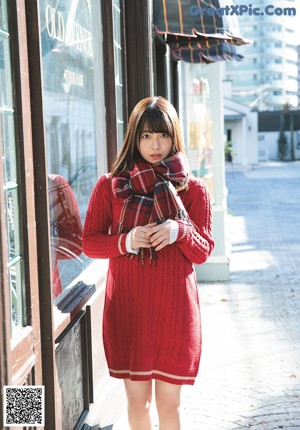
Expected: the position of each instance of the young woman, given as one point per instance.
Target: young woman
(153, 222)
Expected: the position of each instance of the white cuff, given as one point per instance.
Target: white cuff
(129, 249)
(174, 232)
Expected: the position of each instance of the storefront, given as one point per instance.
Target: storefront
(202, 114)
(201, 35)
(65, 98)
(71, 71)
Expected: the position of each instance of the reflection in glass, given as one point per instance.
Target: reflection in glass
(12, 214)
(70, 38)
(117, 30)
(65, 227)
(16, 293)
(200, 148)
(3, 15)
(117, 22)
(5, 70)
(8, 131)
(10, 180)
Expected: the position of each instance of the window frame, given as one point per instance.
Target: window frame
(109, 83)
(21, 353)
(54, 322)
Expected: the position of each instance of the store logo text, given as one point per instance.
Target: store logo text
(76, 36)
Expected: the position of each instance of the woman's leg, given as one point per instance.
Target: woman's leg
(168, 403)
(139, 395)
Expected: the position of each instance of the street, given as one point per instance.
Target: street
(249, 374)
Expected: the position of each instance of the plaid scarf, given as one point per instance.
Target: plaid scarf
(149, 192)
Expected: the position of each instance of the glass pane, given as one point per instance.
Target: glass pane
(117, 19)
(13, 231)
(118, 70)
(199, 148)
(16, 295)
(3, 15)
(70, 42)
(120, 132)
(8, 136)
(119, 103)
(5, 73)
(118, 65)
(10, 179)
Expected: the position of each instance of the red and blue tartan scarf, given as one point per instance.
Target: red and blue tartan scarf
(149, 192)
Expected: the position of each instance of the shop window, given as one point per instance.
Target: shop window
(10, 180)
(75, 132)
(117, 35)
(199, 140)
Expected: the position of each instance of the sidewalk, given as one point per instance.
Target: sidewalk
(249, 374)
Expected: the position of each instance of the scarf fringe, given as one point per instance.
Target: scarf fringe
(181, 215)
(142, 254)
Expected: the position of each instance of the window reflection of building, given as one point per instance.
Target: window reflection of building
(11, 181)
(117, 29)
(200, 126)
(72, 95)
(65, 227)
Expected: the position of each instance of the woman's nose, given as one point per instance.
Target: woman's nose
(155, 141)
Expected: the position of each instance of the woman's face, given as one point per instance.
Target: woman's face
(155, 147)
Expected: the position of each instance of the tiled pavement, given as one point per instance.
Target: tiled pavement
(250, 369)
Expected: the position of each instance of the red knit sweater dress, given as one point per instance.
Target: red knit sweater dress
(151, 321)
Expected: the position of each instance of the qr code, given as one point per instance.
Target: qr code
(24, 406)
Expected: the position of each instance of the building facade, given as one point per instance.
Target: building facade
(267, 78)
(66, 90)
(240, 132)
(71, 72)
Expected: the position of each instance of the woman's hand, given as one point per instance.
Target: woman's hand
(140, 237)
(160, 234)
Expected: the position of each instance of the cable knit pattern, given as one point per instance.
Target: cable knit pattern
(151, 321)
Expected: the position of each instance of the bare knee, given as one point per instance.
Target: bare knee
(166, 405)
(138, 405)
(167, 398)
(139, 396)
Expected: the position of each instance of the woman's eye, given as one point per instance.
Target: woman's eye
(145, 136)
(164, 135)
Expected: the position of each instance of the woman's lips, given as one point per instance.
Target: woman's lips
(156, 156)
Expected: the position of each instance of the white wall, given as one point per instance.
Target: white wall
(268, 146)
(251, 139)
(244, 139)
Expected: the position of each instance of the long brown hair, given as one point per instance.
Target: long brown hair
(160, 116)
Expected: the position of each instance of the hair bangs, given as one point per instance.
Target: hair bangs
(155, 121)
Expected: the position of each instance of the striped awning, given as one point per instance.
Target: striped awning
(198, 31)
(222, 52)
